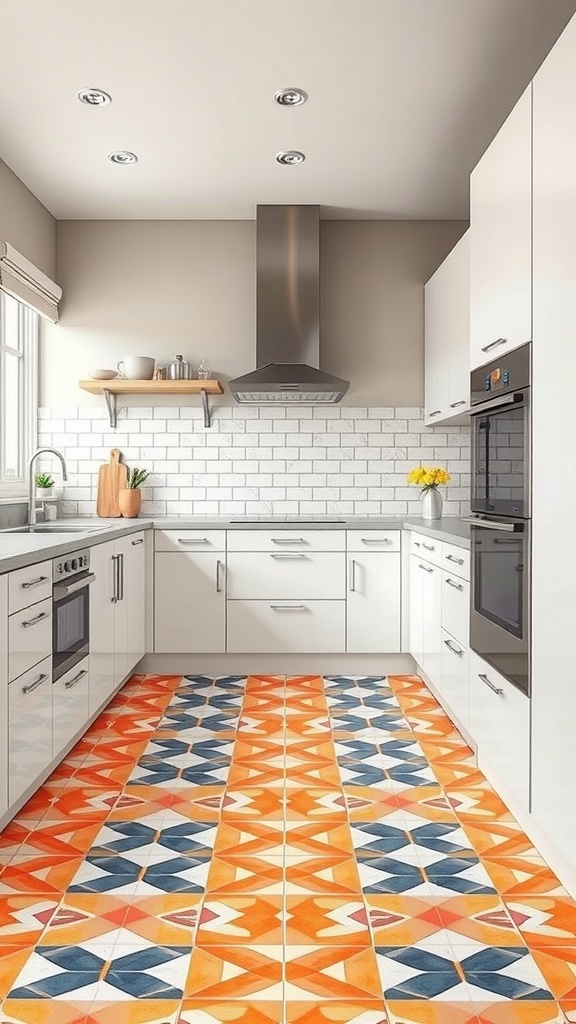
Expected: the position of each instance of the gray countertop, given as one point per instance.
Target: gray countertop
(20, 549)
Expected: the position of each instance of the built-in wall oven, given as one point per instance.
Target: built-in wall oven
(500, 515)
(71, 611)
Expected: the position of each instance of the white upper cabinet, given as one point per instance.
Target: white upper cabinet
(501, 240)
(554, 488)
(447, 331)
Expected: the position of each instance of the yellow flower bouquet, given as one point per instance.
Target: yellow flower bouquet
(428, 477)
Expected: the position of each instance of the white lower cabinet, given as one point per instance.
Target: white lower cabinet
(70, 705)
(29, 637)
(431, 621)
(285, 627)
(29, 728)
(3, 694)
(415, 630)
(373, 613)
(455, 685)
(190, 602)
(286, 575)
(456, 607)
(130, 622)
(500, 725)
(102, 618)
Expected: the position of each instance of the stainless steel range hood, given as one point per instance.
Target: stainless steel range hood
(288, 313)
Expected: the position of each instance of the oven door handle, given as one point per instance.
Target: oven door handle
(63, 589)
(487, 525)
(497, 403)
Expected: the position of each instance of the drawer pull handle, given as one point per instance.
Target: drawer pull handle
(193, 540)
(427, 568)
(452, 647)
(219, 570)
(36, 619)
(451, 583)
(353, 575)
(435, 413)
(287, 557)
(139, 541)
(429, 547)
(72, 682)
(377, 540)
(37, 682)
(452, 558)
(495, 689)
(288, 540)
(493, 344)
(417, 544)
(34, 583)
(288, 607)
(454, 405)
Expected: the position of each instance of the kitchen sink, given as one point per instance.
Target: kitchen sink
(55, 528)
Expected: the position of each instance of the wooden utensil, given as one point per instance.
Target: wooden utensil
(111, 479)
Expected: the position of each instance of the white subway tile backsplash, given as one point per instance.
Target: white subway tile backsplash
(309, 461)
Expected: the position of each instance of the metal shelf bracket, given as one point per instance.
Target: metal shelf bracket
(207, 412)
(112, 406)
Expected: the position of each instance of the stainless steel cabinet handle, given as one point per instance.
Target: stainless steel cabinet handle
(121, 557)
(139, 541)
(288, 607)
(63, 589)
(454, 405)
(219, 568)
(451, 583)
(452, 558)
(377, 540)
(435, 413)
(429, 547)
(495, 689)
(37, 682)
(352, 574)
(193, 540)
(493, 344)
(506, 527)
(34, 583)
(37, 618)
(72, 682)
(283, 555)
(287, 540)
(452, 647)
(115, 591)
(427, 568)
(417, 544)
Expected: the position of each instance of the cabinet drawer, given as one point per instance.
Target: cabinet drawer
(28, 586)
(29, 637)
(30, 728)
(456, 560)
(500, 726)
(456, 607)
(373, 540)
(293, 575)
(190, 540)
(298, 627)
(455, 681)
(70, 705)
(286, 540)
(426, 547)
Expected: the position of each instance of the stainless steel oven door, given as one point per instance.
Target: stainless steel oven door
(500, 597)
(70, 623)
(501, 456)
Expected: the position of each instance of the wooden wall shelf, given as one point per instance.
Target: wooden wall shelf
(119, 386)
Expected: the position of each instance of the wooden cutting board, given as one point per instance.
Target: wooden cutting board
(111, 479)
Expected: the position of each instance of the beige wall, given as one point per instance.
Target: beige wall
(25, 223)
(161, 287)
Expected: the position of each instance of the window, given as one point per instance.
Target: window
(19, 327)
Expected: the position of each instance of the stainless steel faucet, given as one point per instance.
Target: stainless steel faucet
(31, 485)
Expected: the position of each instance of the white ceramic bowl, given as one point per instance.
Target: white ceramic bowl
(102, 374)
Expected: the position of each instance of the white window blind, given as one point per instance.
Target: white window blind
(23, 281)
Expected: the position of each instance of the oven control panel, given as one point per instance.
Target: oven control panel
(71, 565)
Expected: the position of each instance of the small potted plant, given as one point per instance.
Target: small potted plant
(429, 478)
(44, 484)
(130, 497)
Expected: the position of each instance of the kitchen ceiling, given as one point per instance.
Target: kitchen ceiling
(404, 96)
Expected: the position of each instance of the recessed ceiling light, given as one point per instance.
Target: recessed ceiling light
(94, 97)
(290, 97)
(290, 157)
(123, 156)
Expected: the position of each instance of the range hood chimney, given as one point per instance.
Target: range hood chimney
(288, 313)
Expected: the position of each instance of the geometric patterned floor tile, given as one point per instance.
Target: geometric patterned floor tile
(519, 1012)
(142, 840)
(236, 875)
(335, 876)
(125, 875)
(235, 972)
(41, 1011)
(12, 961)
(241, 920)
(24, 918)
(207, 1011)
(544, 920)
(558, 966)
(323, 920)
(367, 1011)
(333, 972)
(424, 1012)
(42, 875)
